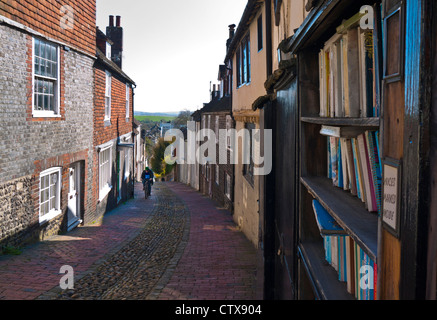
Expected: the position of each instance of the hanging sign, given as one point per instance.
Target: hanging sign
(391, 195)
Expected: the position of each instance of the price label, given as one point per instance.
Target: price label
(391, 196)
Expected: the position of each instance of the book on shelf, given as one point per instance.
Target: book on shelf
(345, 256)
(354, 165)
(375, 167)
(334, 160)
(326, 223)
(342, 132)
(353, 266)
(347, 73)
(365, 166)
(345, 164)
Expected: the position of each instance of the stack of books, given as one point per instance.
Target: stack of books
(354, 163)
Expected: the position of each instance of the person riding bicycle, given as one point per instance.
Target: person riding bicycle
(146, 176)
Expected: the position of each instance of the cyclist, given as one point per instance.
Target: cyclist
(146, 176)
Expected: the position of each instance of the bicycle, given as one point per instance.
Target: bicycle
(147, 186)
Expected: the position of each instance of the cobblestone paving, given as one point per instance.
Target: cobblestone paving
(133, 272)
(177, 245)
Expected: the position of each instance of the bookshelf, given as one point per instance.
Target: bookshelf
(340, 165)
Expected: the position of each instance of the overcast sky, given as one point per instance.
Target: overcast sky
(173, 48)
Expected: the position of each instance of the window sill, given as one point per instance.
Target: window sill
(244, 85)
(45, 114)
(104, 192)
(49, 216)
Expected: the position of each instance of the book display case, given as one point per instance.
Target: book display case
(364, 107)
(340, 159)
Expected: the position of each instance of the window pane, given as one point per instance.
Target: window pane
(49, 69)
(43, 185)
(46, 103)
(37, 45)
(51, 88)
(42, 68)
(42, 209)
(54, 54)
(42, 50)
(54, 70)
(48, 52)
(37, 62)
(40, 102)
(53, 204)
(46, 181)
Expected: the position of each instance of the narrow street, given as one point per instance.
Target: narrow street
(177, 245)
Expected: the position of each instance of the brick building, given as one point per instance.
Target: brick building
(114, 137)
(46, 116)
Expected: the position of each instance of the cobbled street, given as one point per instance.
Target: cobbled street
(176, 245)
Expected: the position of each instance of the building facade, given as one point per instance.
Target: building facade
(114, 136)
(217, 175)
(46, 81)
(247, 56)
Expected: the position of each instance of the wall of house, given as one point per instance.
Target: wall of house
(246, 197)
(218, 189)
(246, 94)
(105, 132)
(50, 19)
(292, 14)
(31, 145)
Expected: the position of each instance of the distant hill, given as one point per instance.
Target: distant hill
(150, 118)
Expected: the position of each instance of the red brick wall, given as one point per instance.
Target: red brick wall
(45, 16)
(119, 124)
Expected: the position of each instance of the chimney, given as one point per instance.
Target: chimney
(115, 33)
(231, 35)
(231, 31)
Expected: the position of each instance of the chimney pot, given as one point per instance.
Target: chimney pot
(118, 21)
(231, 30)
(111, 21)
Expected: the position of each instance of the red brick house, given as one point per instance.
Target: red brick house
(114, 135)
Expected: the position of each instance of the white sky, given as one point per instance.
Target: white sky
(173, 48)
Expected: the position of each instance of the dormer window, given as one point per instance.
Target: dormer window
(108, 50)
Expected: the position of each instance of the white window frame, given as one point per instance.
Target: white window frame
(57, 92)
(228, 128)
(217, 174)
(105, 186)
(108, 95)
(217, 128)
(108, 50)
(127, 100)
(53, 213)
(228, 186)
